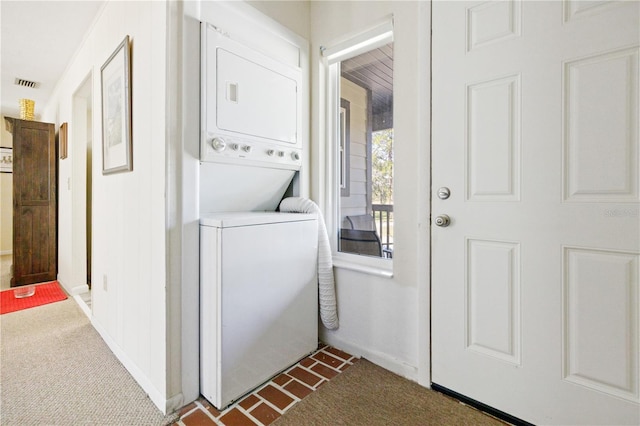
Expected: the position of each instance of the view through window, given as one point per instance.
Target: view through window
(366, 153)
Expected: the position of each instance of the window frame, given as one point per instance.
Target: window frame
(351, 46)
(344, 153)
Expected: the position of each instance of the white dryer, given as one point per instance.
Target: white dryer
(258, 298)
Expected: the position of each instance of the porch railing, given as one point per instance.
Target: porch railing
(383, 218)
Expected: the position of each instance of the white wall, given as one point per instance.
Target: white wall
(6, 196)
(6, 213)
(292, 14)
(385, 319)
(81, 119)
(129, 247)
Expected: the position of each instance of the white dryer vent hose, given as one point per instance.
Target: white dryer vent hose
(326, 283)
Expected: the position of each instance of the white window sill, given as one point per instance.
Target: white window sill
(365, 264)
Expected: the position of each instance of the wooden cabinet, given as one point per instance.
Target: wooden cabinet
(34, 202)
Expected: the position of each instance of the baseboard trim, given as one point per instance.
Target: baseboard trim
(81, 289)
(156, 397)
(83, 306)
(175, 403)
(480, 406)
(73, 291)
(383, 360)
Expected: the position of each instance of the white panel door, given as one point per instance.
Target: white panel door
(535, 280)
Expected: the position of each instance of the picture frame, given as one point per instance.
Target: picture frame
(115, 77)
(62, 141)
(6, 160)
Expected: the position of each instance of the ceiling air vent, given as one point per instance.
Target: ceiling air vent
(26, 83)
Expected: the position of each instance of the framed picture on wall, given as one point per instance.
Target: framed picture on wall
(115, 77)
(6, 160)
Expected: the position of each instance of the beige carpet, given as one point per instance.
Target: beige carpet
(366, 394)
(56, 370)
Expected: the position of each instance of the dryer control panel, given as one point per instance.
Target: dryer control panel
(229, 149)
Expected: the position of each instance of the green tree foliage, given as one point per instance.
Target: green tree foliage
(382, 167)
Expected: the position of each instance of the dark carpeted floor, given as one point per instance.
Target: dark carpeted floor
(366, 394)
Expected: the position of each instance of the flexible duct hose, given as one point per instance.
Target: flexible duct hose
(326, 283)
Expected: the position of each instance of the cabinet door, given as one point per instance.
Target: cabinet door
(34, 203)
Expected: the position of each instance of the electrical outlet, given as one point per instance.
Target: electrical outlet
(104, 282)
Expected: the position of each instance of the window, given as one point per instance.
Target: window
(344, 152)
(361, 102)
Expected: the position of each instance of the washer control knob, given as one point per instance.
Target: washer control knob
(246, 148)
(280, 153)
(234, 146)
(295, 156)
(271, 152)
(218, 144)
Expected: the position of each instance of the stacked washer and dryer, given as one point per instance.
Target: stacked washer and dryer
(258, 282)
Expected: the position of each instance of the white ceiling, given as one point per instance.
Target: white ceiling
(37, 41)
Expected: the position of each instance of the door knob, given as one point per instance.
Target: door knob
(443, 220)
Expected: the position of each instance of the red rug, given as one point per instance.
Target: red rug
(45, 293)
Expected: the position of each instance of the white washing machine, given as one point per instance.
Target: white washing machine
(258, 299)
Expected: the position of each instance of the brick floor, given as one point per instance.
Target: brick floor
(271, 400)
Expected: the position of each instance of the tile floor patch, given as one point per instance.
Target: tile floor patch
(307, 362)
(324, 371)
(184, 410)
(338, 353)
(345, 366)
(236, 418)
(265, 414)
(305, 376)
(282, 379)
(272, 400)
(328, 359)
(298, 389)
(249, 402)
(276, 397)
(198, 418)
(214, 412)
